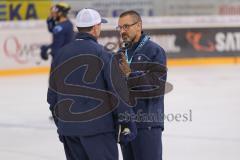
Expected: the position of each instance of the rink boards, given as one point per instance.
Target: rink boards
(187, 41)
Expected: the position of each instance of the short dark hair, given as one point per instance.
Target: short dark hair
(133, 14)
(84, 29)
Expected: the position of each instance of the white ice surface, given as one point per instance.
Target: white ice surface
(210, 92)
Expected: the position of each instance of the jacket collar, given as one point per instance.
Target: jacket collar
(135, 45)
(85, 36)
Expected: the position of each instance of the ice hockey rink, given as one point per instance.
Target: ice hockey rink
(207, 95)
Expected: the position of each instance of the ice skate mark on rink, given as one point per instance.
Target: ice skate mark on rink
(24, 126)
(222, 139)
(26, 154)
(226, 139)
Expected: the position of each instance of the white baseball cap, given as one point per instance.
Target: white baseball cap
(88, 17)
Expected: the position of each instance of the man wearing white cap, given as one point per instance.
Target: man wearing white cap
(85, 107)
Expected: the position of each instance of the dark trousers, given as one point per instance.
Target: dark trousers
(146, 146)
(98, 147)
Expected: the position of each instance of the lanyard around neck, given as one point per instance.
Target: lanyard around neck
(141, 44)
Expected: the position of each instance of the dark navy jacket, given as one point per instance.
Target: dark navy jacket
(85, 44)
(147, 108)
(62, 35)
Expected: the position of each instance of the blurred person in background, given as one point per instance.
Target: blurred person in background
(60, 27)
(140, 49)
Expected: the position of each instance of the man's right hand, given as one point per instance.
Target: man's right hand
(51, 23)
(127, 133)
(124, 66)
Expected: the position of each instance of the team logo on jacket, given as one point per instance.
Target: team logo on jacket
(139, 58)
